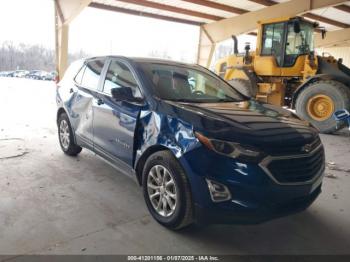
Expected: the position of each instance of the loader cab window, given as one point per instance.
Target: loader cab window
(222, 71)
(298, 43)
(272, 45)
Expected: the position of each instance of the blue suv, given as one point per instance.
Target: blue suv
(201, 151)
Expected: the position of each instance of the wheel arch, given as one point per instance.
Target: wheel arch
(60, 111)
(141, 161)
(314, 79)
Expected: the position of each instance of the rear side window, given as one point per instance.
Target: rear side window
(71, 72)
(92, 74)
(78, 78)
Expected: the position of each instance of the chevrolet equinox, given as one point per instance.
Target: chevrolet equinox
(201, 151)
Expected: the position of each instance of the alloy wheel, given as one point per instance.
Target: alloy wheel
(162, 190)
(64, 134)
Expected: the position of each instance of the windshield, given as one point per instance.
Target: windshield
(302, 42)
(187, 84)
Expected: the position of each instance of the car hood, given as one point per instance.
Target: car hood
(265, 126)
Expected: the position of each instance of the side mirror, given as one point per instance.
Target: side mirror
(123, 93)
(296, 27)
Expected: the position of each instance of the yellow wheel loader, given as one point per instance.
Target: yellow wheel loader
(284, 70)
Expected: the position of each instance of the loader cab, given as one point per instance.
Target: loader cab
(283, 46)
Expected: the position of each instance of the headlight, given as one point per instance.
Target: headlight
(231, 149)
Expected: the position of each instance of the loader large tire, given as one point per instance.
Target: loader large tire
(319, 100)
(243, 86)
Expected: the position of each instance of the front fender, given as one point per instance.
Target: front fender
(163, 131)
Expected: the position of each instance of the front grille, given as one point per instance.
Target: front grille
(297, 168)
(292, 149)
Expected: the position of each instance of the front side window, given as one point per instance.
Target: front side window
(273, 41)
(92, 74)
(298, 43)
(119, 75)
(188, 84)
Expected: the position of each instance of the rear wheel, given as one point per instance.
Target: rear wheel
(318, 101)
(166, 191)
(66, 136)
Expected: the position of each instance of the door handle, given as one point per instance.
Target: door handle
(100, 101)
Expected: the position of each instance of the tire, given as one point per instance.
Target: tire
(339, 94)
(243, 86)
(66, 136)
(182, 214)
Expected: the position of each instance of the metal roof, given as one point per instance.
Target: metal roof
(199, 12)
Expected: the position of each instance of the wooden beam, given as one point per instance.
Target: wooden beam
(344, 8)
(172, 9)
(206, 48)
(264, 2)
(308, 15)
(61, 39)
(65, 12)
(326, 20)
(72, 8)
(224, 29)
(59, 12)
(218, 6)
(144, 14)
(333, 38)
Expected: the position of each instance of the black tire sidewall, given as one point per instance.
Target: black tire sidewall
(243, 86)
(166, 159)
(338, 94)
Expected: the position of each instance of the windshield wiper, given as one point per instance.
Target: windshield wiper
(208, 100)
(184, 100)
(227, 99)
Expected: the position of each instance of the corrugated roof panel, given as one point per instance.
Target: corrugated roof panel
(328, 27)
(330, 13)
(243, 4)
(195, 7)
(140, 8)
(333, 14)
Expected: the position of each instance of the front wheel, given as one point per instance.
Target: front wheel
(167, 191)
(66, 137)
(319, 100)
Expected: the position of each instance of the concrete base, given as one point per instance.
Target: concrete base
(54, 204)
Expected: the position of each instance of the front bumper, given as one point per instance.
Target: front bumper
(255, 196)
(219, 215)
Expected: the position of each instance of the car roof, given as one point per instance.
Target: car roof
(146, 60)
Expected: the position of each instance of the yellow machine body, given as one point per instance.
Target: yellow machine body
(284, 65)
(273, 89)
